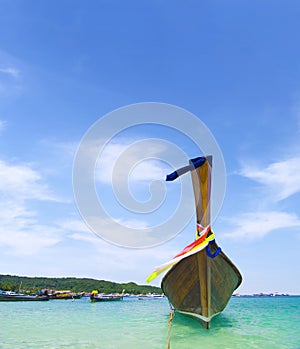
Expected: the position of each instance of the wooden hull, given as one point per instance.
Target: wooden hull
(65, 296)
(202, 298)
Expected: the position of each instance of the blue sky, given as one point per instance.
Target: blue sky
(65, 64)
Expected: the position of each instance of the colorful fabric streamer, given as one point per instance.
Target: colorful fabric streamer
(189, 250)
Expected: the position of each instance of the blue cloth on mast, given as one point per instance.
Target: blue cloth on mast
(208, 251)
(194, 163)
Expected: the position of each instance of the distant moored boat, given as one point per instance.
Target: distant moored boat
(14, 297)
(97, 297)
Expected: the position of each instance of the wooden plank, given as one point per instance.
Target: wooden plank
(205, 283)
(201, 179)
(204, 173)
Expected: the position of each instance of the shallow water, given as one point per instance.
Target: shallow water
(263, 322)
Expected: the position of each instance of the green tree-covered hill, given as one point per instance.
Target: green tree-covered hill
(33, 284)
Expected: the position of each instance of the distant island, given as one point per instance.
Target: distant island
(34, 284)
(261, 294)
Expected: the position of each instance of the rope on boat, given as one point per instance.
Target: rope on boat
(170, 328)
(171, 316)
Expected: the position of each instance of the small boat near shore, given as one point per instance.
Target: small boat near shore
(101, 297)
(151, 296)
(65, 295)
(9, 296)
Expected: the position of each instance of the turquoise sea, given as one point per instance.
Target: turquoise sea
(254, 323)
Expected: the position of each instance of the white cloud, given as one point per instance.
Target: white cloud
(21, 182)
(75, 226)
(20, 229)
(13, 72)
(66, 150)
(149, 170)
(113, 262)
(255, 225)
(78, 230)
(23, 235)
(133, 223)
(281, 178)
(134, 160)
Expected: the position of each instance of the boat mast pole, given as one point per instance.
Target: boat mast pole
(201, 179)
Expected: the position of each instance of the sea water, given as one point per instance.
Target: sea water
(254, 323)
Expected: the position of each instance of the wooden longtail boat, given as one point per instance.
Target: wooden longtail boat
(105, 298)
(201, 283)
(65, 295)
(96, 297)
